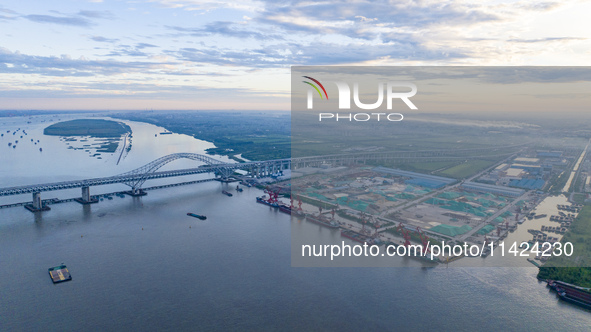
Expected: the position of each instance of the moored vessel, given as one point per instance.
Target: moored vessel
(196, 216)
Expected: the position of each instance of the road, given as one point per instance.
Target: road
(491, 218)
(440, 191)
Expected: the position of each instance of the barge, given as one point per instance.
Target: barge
(196, 216)
(59, 274)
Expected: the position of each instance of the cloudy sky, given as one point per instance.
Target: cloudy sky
(213, 54)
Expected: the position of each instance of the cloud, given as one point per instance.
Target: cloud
(63, 66)
(6, 18)
(63, 20)
(227, 29)
(346, 18)
(134, 51)
(105, 14)
(81, 19)
(144, 45)
(315, 53)
(544, 40)
(209, 5)
(101, 39)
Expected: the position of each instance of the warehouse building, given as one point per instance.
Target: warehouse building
(489, 188)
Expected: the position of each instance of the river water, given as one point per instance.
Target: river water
(143, 264)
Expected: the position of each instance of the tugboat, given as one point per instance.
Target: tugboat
(226, 193)
(196, 216)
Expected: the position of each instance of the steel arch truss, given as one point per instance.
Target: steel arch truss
(141, 174)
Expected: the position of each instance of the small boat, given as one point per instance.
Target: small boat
(196, 216)
(226, 193)
(238, 189)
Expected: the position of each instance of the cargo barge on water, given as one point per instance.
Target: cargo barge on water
(196, 216)
(358, 237)
(59, 274)
(266, 202)
(322, 221)
(571, 293)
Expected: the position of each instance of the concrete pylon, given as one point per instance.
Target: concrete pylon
(86, 199)
(37, 204)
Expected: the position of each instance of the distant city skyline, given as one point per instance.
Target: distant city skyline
(190, 54)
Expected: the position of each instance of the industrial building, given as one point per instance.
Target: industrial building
(536, 184)
(423, 180)
(549, 154)
(489, 188)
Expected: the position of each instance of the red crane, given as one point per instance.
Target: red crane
(405, 234)
(424, 240)
(376, 224)
(272, 196)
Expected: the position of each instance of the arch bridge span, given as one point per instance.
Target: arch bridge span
(137, 177)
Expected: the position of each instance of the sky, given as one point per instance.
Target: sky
(211, 54)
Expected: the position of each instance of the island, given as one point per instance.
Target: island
(88, 127)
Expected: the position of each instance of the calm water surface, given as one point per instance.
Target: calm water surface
(143, 264)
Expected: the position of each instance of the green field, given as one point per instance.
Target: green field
(579, 198)
(88, 127)
(466, 169)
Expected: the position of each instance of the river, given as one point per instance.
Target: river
(143, 264)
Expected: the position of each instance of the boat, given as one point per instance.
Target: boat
(298, 213)
(571, 293)
(226, 193)
(196, 216)
(322, 221)
(358, 237)
(59, 274)
(238, 189)
(263, 201)
(285, 208)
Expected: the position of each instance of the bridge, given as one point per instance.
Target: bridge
(223, 170)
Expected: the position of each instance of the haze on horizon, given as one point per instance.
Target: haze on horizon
(193, 54)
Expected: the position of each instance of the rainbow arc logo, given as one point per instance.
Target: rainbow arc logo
(316, 87)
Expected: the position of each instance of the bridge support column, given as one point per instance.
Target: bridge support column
(86, 199)
(37, 204)
(136, 192)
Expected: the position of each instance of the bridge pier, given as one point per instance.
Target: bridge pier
(135, 192)
(86, 199)
(37, 204)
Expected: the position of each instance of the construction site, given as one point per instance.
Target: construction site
(391, 206)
